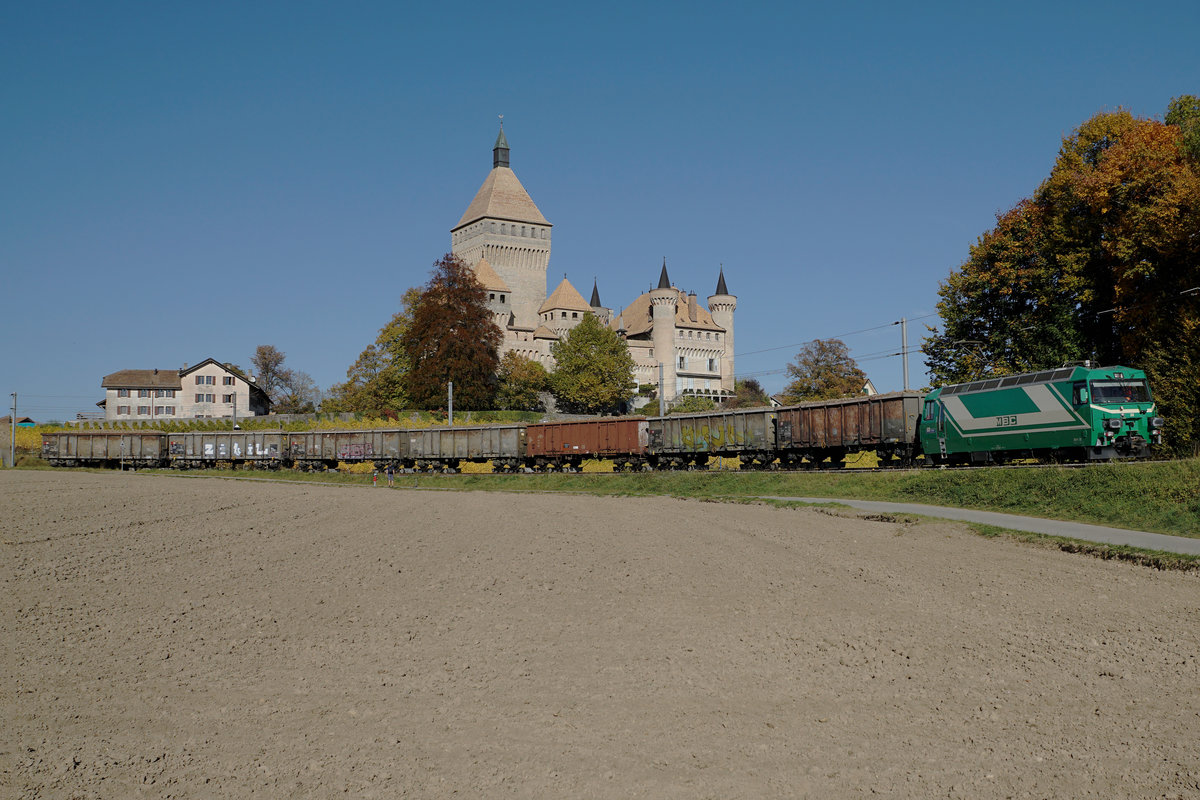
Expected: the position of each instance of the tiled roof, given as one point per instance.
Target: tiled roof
(544, 333)
(565, 297)
(638, 316)
(488, 278)
(142, 379)
(502, 197)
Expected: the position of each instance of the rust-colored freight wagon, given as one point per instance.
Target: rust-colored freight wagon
(565, 445)
(105, 449)
(829, 429)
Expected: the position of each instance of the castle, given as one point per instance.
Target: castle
(506, 240)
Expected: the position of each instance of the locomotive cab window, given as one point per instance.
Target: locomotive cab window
(1118, 391)
(1080, 393)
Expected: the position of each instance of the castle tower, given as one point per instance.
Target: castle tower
(663, 305)
(721, 305)
(503, 226)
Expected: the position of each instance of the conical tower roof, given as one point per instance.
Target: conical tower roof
(595, 301)
(502, 196)
(565, 297)
(664, 282)
(721, 288)
(488, 277)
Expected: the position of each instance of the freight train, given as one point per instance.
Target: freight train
(1076, 413)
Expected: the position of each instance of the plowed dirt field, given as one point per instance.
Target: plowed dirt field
(206, 638)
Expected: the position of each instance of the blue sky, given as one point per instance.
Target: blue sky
(183, 181)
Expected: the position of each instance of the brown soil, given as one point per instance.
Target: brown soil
(173, 637)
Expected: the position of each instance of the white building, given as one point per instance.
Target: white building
(209, 389)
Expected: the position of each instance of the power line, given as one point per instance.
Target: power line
(838, 336)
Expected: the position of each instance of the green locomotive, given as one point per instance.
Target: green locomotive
(1075, 413)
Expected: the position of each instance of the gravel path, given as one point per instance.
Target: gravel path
(1052, 527)
(228, 639)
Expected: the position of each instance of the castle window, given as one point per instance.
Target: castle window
(683, 362)
(564, 315)
(491, 295)
(574, 315)
(712, 366)
(501, 298)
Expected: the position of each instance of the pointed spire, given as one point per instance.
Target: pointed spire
(595, 301)
(663, 281)
(721, 288)
(500, 149)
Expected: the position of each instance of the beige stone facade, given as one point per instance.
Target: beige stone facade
(506, 239)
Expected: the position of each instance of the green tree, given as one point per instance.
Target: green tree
(1008, 308)
(376, 382)
(748, 393)
(594, 371)
(823, 370)
(452, 338)
(521, 379)
(691, 404)
(1184, 113)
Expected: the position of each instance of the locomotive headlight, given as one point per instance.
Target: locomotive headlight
(1112, 424)
(1157, 422)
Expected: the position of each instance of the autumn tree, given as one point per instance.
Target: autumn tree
(298, 394)
(823, 370)
(594, 371)
(1097, 263)
(452, 338)
(748, 393)
(269, 372)
(521, 380)
(376, 381)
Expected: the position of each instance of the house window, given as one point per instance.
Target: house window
(143, 392)
(122, 393)
(122, 409)
(199, 380)
(226, 398)
(227, 380)
(168, 410)
(144, 410)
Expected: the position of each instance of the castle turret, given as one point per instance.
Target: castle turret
(604, 315)
(721, 305)
(663, 305)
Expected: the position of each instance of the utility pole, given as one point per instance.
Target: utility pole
(903, 323)
(235, 406)
(12, 442)
(662, 400)
(450, 401)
